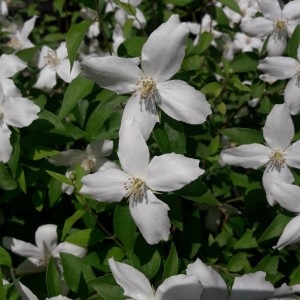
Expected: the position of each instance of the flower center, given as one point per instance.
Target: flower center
(15, 43)
(88, 164)
(147, 87)
(43, 262)
(277, 159)
(135, 187)
(280, 28)
(51, 59)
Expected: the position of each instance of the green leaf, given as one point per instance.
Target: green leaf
(86, 237)
(214, 88)
(59, 177)
(130, 9)
(232, 5)
(247, 241)
(76, 91)
(40, 152)
(132, 46)
(204, 42)
(269, 264)
(74, 38)
(2, 291)
(181, 3)
(275, 228)
(294, 43)
(244, 62)
(71, 221)
(172, 263)
(7, 182)
(53, 281)
(243, 135)
(161, 138)
(5, 259)
(238, 262)
(124, 226)
(295, 277)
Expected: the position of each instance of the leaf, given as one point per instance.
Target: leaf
(130, 9)
(244, 62)
(232, 5)
(40, 152)
(76, 91)
(7, 182)
(86, 237)
(53, 281)
(238, 262)
(243, 135)
(247, 241)
(71, 221)
(5, 259)
(161, 138)
(181, 3)
(59, 177)
(74, 38)
(269, 264)
(214, 88)
(294, 43)
(204, 42)
(172, 263)
(132, 46)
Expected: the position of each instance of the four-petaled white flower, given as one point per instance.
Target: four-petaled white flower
(280, 67)
(55, 62)
(161, 58)
(17, 112)
(37, 257)
(276, 23)
(140, 179)
(276, 156)
(136, 285)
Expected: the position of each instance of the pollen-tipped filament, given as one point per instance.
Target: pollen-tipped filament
(277, 159)
(280, 28)
(147, 87)
(135, 187)
(51, 59)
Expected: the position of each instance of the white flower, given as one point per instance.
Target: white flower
(55, 62)
(37, 257)
(280, 67)
(140, 179)
(244, 43)
(19, 40)
(3, 8)
(276, 22)
(17, 112)
(137, 286)
(10, 65)
(276, 156)
(161, 58)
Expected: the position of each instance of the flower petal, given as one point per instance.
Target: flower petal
(279, 128)
(9, 88)
(103, 163)
(31, 265)
(43, 54)
(66, 247)
(143, 113)
(105, 185)
(269, 8)
(134, 283)
(46, 79)
(114, 73)
(279, 67)
(19, 112)
(292, 95)
(28, 27)
(257, 26)
(6, 147)
(276, 46)
(67, 158)
(287, 195)
(133, 151)
(291, 10)
(214, 287)
(182, 102)
(171, 172)
(46, 237)
(22, 248)
(151, 217)
(64, 70)
(25, 292)
(290, 234)
(10, 65)
(164, 50)
(179, 287)
(292, 155)
(62, 51)
(100, 148)
(252, 286)
(272, 175)
(247, 156)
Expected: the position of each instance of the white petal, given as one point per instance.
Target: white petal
(171, 172)
(292, 95)
(272, 175)
(66, 247)
(292, 155)
(279, 67)
(22, 248)
(279, 128)
(182, 102)
(144, 113)
(24, 291)
(19, 112)
(46, 79)
(63, 70)
(287, 195)
(114, 73)
(247, 156)
(290, 235)
(133, 151)
(269, 8)
(68, 157)
(43, 54)
(10, 65)
(61, 51)
(252, 286)
(285, 290)
(6, 148)
(134, 283)
(103, 163)
(31, 265)
(106, 185)
(151, 217)
(257, 27)
(46, 237)
(214, 287)
(179, 287)
(28, 27)
(276, 46)
(291, 10)
(164, 50)
(100, 148)
(9, 88)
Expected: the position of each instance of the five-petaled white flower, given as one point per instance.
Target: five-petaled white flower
(276, 156)
(280, 67)
(55, 62)
(276, 23)
(161, 58)
(136, 286)
(140, 179)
